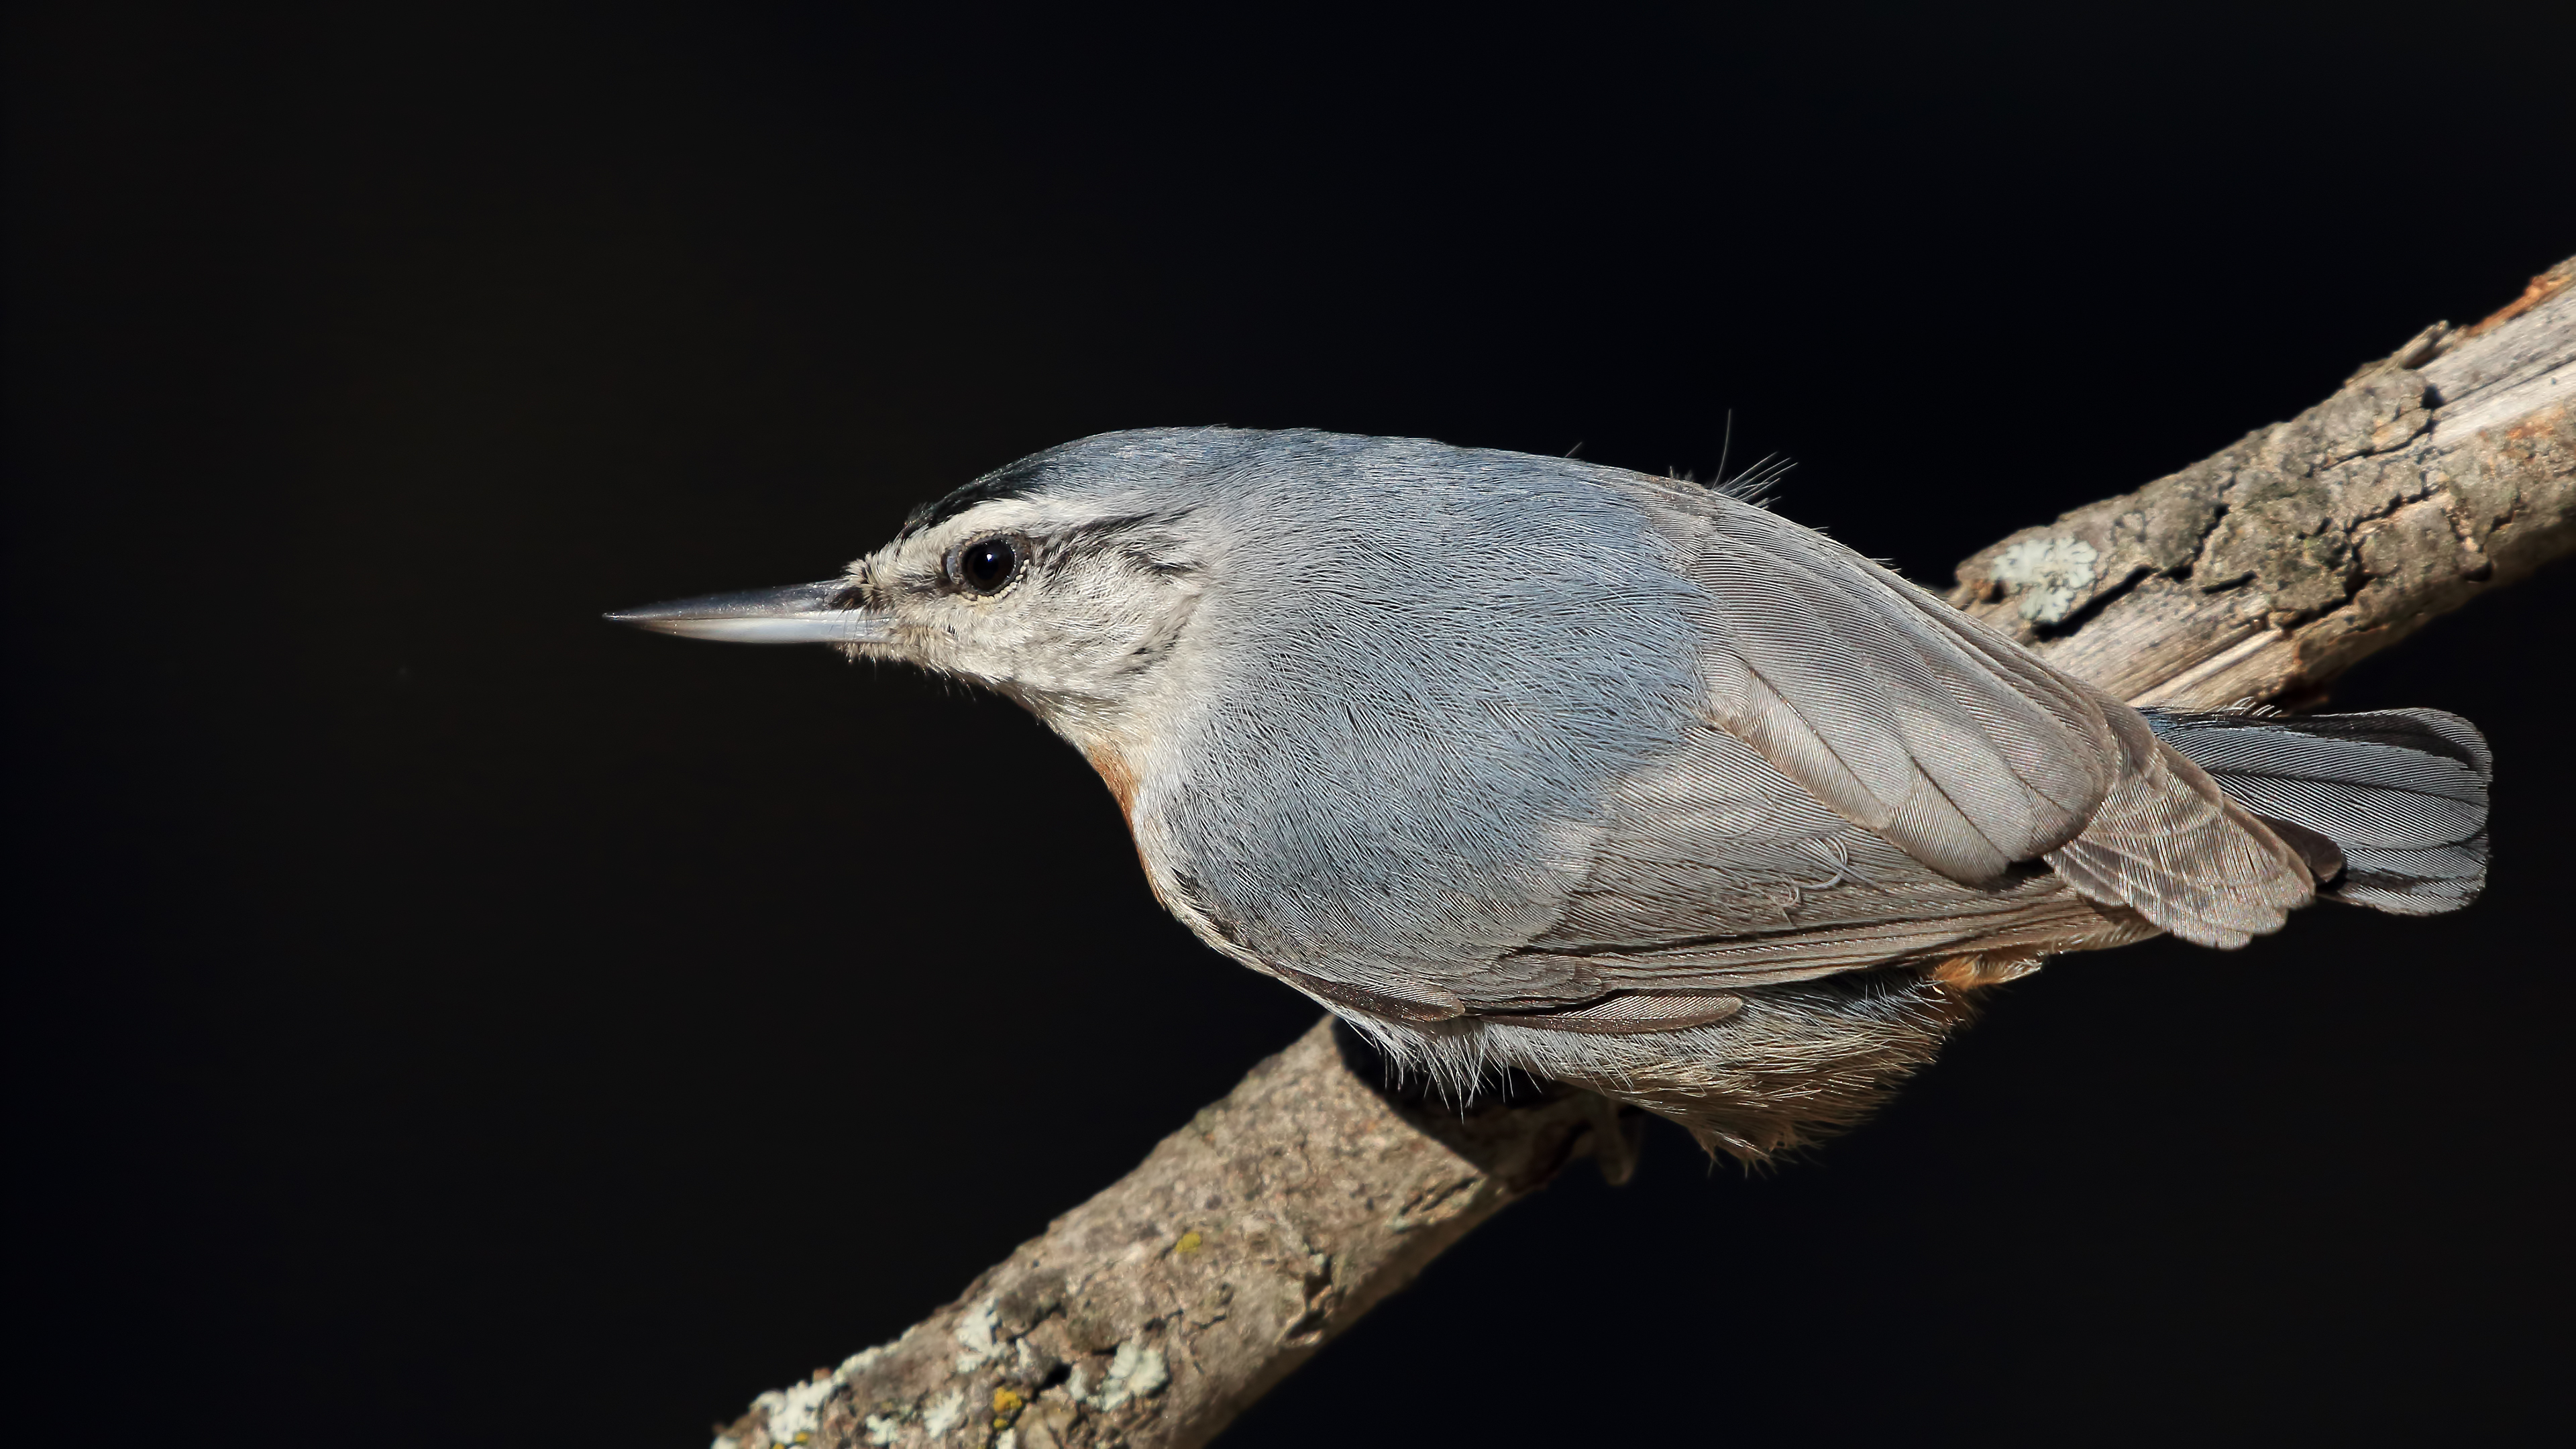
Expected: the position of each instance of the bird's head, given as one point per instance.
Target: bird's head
(1064, 581)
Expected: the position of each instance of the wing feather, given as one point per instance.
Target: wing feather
(1716, 871)
(1898, 713)
(1880, 781)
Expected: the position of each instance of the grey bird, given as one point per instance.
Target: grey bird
(1620, 780)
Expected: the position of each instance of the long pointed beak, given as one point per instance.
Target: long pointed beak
(797, 614)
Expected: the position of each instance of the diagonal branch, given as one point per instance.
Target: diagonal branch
(1155, 1312)
(2264, 571)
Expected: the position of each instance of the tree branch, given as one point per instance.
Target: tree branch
(1155, 1312)
(2266, 570)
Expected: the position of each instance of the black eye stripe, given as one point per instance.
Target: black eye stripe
(986, 565)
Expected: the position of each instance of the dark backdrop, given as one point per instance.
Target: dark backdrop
(438, 1017)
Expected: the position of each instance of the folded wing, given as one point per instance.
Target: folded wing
(1895, 711)
(1881, 779)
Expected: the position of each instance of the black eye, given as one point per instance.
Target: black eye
(986, 564)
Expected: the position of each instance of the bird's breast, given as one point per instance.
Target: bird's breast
(1117, 772)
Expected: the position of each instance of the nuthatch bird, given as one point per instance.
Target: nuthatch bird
(1620, 780)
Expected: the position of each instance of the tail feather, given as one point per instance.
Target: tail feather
(2403, 794)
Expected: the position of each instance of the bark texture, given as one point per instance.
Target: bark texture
(1153, 1313)
(2263, 572)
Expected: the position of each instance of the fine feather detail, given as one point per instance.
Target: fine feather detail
(1795, 1064)
(2170, 845)
(1895, 711)
(1717, 871)
(1882, 768)
(2402, 792)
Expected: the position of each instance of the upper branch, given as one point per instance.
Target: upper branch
(2266, 570)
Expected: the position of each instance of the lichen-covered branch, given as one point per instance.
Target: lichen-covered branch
(1150, 1315)
(1154, 1312)
(2263, 572)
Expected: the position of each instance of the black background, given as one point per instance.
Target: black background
(438, 1017)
